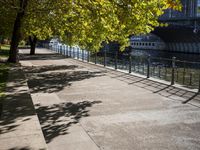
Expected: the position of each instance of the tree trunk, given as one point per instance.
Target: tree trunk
(13, 53)
(33, 42)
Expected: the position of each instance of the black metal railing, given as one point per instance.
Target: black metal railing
(175, 71)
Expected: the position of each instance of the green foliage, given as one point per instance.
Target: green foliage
(4, 51)
(88, 23)
(7, 18)
(22, 43)
(92, 22)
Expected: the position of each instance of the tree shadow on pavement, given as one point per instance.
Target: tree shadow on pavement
(56, 119)
(23, 148)
(51, 56)
(42, 69)
(17, 106)
(51, 79)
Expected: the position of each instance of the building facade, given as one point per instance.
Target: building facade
(190, 8)
(188, 17)
(183, 31)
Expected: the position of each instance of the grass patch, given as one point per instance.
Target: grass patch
(4, 51)
(4, 67)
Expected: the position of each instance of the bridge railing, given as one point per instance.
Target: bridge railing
(175, 71)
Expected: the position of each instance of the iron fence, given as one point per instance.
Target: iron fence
(175, 71)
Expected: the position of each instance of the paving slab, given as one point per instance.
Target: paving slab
(83, 106)
(19, 125)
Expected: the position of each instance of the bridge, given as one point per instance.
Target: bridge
(183, 32)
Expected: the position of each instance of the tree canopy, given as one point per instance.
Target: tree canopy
(86, 23)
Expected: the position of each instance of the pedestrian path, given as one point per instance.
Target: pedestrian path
(83, 106)
(19, 125)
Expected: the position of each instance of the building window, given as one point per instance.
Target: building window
(198, 8)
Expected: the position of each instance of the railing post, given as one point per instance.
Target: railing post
(82, 55)
(70, 52)
(148, 66)
(61, 49)
(116, 54)
(78, 53)
(190, 79)
(95, 57)
(177, 75)
(64, 50)
(88, 56)
(69, 47)
(73, 52)
(173, 70)
(184, 71)
(67, 50)
(199, 82)
(104, 60)
(130, 63)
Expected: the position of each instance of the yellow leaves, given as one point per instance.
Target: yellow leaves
(115, 20)
(174, 4)
(89, 22)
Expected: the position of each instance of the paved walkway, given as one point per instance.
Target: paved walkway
(19, 125)
(85, 107)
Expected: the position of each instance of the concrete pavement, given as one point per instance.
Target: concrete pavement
(19, 125)
(86, 107)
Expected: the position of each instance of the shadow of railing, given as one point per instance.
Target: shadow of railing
(162, 89)
(168, 91)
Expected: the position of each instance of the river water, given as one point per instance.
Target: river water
(168, 55)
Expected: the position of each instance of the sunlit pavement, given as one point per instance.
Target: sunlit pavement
(84, 107)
